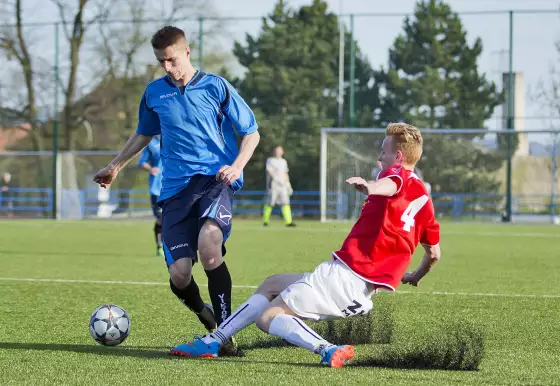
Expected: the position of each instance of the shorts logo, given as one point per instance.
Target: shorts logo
(223, 215)
(178, 246)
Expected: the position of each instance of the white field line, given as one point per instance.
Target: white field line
(153, 283)
(443, 232)
(240, 227)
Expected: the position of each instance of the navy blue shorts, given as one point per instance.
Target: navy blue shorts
(185, 213)
(155, 207)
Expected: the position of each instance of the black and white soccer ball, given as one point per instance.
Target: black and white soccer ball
(109, 325)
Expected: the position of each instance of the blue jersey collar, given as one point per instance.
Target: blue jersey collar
(198, 75)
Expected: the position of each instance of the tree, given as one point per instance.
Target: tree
(547, 94)
(292, 84)
(15, 47)
(30, 171)
(433, 81)
(548, 91)
(75, 31)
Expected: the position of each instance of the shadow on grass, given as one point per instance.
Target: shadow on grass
(264, 343)
(455, 346)
(146, 352)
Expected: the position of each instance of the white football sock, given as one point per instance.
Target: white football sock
(245, 315)
(296, 332)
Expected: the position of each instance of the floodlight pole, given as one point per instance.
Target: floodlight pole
(55, 187)
(508, 212)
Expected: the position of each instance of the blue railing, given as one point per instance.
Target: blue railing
(37, 202)
(32, 201)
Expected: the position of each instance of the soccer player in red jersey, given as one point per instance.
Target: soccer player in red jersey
(396, 216)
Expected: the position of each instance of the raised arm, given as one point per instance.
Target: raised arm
(382, 187)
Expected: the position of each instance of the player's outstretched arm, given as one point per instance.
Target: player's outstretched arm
(430, 259)
(133, 146)
(382, 187)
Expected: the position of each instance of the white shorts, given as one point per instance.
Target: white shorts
(331, 291)
(278, 195)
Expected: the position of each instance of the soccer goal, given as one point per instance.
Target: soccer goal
(79, 197)
(465, 169)
(346, 153)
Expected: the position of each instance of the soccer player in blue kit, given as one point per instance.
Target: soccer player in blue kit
(150, 161)
(197, 115)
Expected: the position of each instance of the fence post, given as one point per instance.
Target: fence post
(553, 188)
(201, 43)
(323, 176)
(341, 71)
(54, 188)
(352, 75)
(508, 212)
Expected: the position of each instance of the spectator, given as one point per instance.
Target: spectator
(5, 197)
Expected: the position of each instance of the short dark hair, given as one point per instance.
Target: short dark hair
(167, 36)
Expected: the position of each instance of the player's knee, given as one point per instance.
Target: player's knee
(268, 287)
(263, 320)
(180, 280)
(210, 244)
(211, 234)
(180, 273)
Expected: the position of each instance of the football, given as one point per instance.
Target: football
(109, 325)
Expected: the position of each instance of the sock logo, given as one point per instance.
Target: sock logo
(223, 306)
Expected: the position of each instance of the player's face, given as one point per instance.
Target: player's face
(278, 152)
(174, 60)
(388, 156)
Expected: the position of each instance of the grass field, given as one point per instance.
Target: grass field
(503, 279)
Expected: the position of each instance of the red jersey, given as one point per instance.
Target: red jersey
(381, 243)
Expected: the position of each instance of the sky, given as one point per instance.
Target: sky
(533, 38)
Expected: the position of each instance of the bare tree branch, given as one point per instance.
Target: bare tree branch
(75, 38)
(62, 12)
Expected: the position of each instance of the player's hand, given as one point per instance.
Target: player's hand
(359, 183)
(228, 174)
(155, 171)
(105, 176)
(410, 278)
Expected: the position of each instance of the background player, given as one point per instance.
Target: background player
(150, 161)
(278, 187)
(397, 215)
(197, 115)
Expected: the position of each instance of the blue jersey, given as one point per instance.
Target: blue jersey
(198, 126)
(151, 156)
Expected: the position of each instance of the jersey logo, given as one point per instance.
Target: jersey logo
(172, 94)
(365, 203)
(396, 170)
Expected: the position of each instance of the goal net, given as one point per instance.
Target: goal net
(35, 190)
(79, 197)
(465, 170)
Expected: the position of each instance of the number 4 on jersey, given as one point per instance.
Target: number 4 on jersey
(411, 212)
